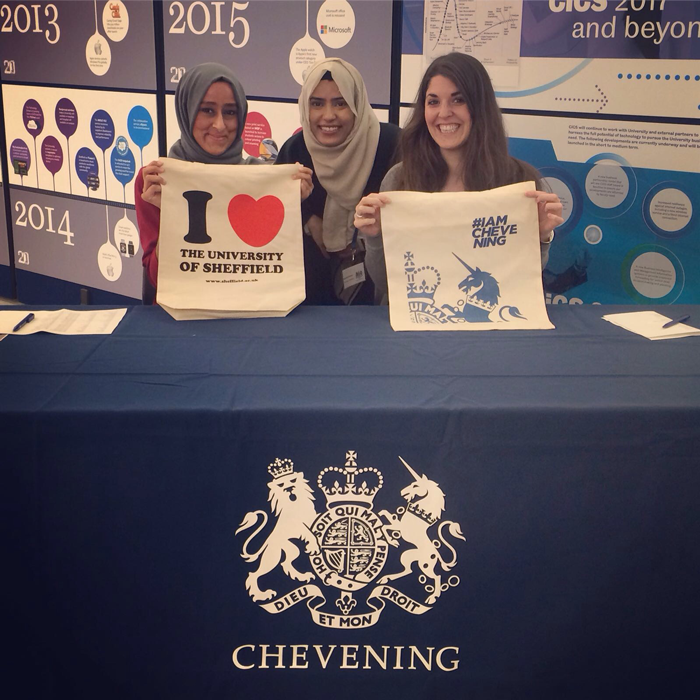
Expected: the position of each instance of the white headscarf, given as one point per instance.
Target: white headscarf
(342, 170)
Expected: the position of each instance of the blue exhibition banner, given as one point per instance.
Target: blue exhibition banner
(611, 29)
(594, 56)
(631, 233)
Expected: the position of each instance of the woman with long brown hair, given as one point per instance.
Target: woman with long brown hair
(454, 141)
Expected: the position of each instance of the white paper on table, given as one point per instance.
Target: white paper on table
(650, 325)
(63, 321)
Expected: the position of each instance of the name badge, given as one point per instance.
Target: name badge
(353, 275)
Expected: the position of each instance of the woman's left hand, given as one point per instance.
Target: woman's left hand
(549, 211)
(304, 174)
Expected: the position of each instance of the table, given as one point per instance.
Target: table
(568, 533)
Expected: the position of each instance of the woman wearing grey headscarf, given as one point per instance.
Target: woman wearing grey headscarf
(211, 109)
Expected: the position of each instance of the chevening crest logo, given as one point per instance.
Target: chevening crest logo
(480, 302)
(348, 545)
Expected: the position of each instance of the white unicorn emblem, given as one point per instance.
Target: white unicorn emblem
(426, 503)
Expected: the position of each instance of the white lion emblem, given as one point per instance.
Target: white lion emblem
(291, 500)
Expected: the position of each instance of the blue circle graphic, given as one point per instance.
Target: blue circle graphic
(102, 129)
(122, 161)
(140, 126)
(87, 168)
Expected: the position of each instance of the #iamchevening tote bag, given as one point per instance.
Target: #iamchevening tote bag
(464, 261)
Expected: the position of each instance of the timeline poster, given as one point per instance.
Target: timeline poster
(79, 42)
(91, 244)
(618, 57)
(270, 43)
(631, 231)
(72, 158)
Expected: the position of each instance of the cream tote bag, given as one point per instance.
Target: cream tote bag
(230, 243)
(464, 261)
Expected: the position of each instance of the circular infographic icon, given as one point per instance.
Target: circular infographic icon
(66, 117)
(652, 273)
(140, 126)
(611, 185)
(20, 157)
(122, 161)
(110, 262)
(98, 54)
(335, 23)
(115, 20)
(668, 210)
(303, 55)
(52, 154)
(593, 234)
(255, 130)
(126, 236)
(565, 186)
(607, 185)
(33, 117)
(87, 169)
(102, 129)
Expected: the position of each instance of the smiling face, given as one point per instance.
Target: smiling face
(446, 114)
(330, 115)
(216, 123)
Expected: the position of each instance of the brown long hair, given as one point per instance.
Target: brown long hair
(486, 160)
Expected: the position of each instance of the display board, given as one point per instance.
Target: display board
(79, 42)
(74, 144)
(629, 188)
(5, 270)
(72, 157)
(621, 57)
(632, 222)
(270, 43)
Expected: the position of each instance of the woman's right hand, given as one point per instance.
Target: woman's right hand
(152, 182)
(368, 218)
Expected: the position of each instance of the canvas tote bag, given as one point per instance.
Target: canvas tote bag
(230, 243)
(464, 261)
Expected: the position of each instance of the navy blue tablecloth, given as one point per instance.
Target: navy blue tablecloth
(566, 540)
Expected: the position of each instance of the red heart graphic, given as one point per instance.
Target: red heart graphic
(255, 222)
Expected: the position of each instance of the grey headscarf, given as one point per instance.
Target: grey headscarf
(188, 96)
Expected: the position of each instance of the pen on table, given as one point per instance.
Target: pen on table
(676, 320)
(27, 319)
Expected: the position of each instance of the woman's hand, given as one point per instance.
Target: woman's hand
(315, 226)
(304, 174)
(152, 182)
(367, 214)
(549, 211)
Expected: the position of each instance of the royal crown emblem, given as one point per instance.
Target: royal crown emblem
(479, 303)
(348, 546)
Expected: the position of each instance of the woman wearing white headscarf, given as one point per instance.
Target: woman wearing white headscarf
(211, 109)
(350, 151)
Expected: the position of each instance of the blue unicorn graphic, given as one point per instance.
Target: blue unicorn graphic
(482, 294)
